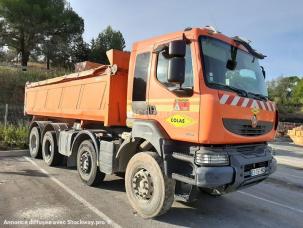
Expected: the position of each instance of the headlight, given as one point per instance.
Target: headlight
(211, 159)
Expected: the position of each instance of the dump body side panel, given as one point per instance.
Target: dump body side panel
(95, 98)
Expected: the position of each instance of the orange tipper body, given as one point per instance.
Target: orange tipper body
(183, 110)
(92, 95)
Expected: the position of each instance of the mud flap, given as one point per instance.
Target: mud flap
(185, 192)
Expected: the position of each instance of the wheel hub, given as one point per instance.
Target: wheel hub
(47, 150)
(85, 162)
(143, 186)
(33, 142)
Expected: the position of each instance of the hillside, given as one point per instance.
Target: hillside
(13, 79)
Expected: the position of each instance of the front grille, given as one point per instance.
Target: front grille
(255, 165)
(244, 127)
(248, 130)
(256, 149)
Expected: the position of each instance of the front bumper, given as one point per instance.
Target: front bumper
(237, 174)
(232, 177)
(242, 159)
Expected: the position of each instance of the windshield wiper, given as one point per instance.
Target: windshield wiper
(258, 96)
(231, 88)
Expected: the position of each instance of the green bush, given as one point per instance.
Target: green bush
(14, 136)
(12, 84)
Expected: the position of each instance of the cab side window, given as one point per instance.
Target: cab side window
(140, 76)
(162, 69)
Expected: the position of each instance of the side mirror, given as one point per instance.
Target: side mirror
(176, 70)
(177, 48)
(263, 72)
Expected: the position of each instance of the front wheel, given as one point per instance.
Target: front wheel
(149, 191)
(87, 164)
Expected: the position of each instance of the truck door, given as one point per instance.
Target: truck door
(177, 110)
(137, 107)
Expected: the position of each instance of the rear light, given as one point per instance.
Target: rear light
(211, 159)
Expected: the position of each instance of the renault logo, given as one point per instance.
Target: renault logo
(254, 121)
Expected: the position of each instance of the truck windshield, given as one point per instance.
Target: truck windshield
(229, 68)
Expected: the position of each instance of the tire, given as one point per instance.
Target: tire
(50, 152)
(146, 167)
(34, 143)
(87, 164)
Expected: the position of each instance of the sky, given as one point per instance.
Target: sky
(275, 27)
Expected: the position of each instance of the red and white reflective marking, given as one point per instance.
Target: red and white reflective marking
(226, 99)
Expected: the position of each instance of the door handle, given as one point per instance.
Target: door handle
(152, 110)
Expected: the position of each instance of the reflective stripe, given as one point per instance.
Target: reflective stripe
(262, 105)
(272, 106)
(170, 100)
(235, 100)
(254, 104)
(224, 99)
(245, 102)
(170, 108)
(268, 106)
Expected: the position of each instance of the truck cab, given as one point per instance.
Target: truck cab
(206, 94)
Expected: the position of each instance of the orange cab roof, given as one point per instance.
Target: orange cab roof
(193, 31)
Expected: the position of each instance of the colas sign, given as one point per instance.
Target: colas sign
(179, 120)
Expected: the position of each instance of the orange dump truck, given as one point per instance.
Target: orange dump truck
(182, 112)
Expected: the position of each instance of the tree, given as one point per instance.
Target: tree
(11, 55)
(287, 93)
(106, 40)
(58, 45)
(66, 54)
(2, 54)
(297, 93)
(281, 90)
(27, 24)
(80, 50)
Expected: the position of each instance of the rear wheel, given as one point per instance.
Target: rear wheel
(50, 152)
(87, 164)
(34, 143)
(149, 191)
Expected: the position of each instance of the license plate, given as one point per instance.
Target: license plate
(257, 171)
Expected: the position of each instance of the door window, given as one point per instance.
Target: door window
(140, 76)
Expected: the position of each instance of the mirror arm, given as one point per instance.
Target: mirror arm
(263, 72)
(187, 41)
(163, 47)
(160, 48)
